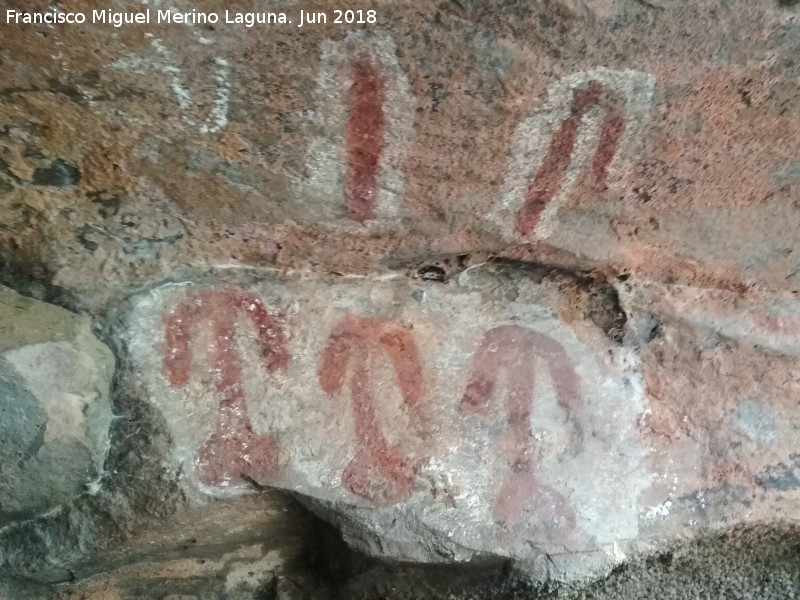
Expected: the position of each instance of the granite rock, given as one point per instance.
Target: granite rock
(55, 379)
(499, 413)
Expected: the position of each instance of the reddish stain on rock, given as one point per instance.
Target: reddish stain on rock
(378, 473)
(234, 451)
(364, 140)
(548, 179)
(509, 352)
(523, 501)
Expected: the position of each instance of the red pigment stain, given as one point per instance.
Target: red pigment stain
(610, 134)
(234, 452)
(777, 324)
(524, 501)
(548, 180)
(364, 140)
(378, 473)
(510, 352)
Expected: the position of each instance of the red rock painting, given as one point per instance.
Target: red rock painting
(507, 356)
(550, 175)
(364, 139)
(363, 130)
(379, 473)
(234, 452)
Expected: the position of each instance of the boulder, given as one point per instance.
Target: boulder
(55, 408)
(543, 418)
(433, 421)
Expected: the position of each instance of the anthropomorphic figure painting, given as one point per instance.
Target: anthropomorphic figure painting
(461, 412)
(379, 473)
(234, 452)
(505, 366)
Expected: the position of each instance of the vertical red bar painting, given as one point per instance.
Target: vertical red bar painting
(364, 139)
(362, 130)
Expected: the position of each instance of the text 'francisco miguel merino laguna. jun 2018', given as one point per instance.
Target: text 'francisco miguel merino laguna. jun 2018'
(194, 17)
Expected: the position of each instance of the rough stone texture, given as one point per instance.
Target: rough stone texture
(55, 411)
(237, 549)
(467, 419)
(283, 232)
(618, 134)
(756, 564)
(491, 414)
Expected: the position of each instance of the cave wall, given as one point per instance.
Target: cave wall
(507, 282)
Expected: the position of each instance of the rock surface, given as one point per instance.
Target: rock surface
(55, 407)
(491, 414)
(499, 281)
(466, 420)
(612, 134)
